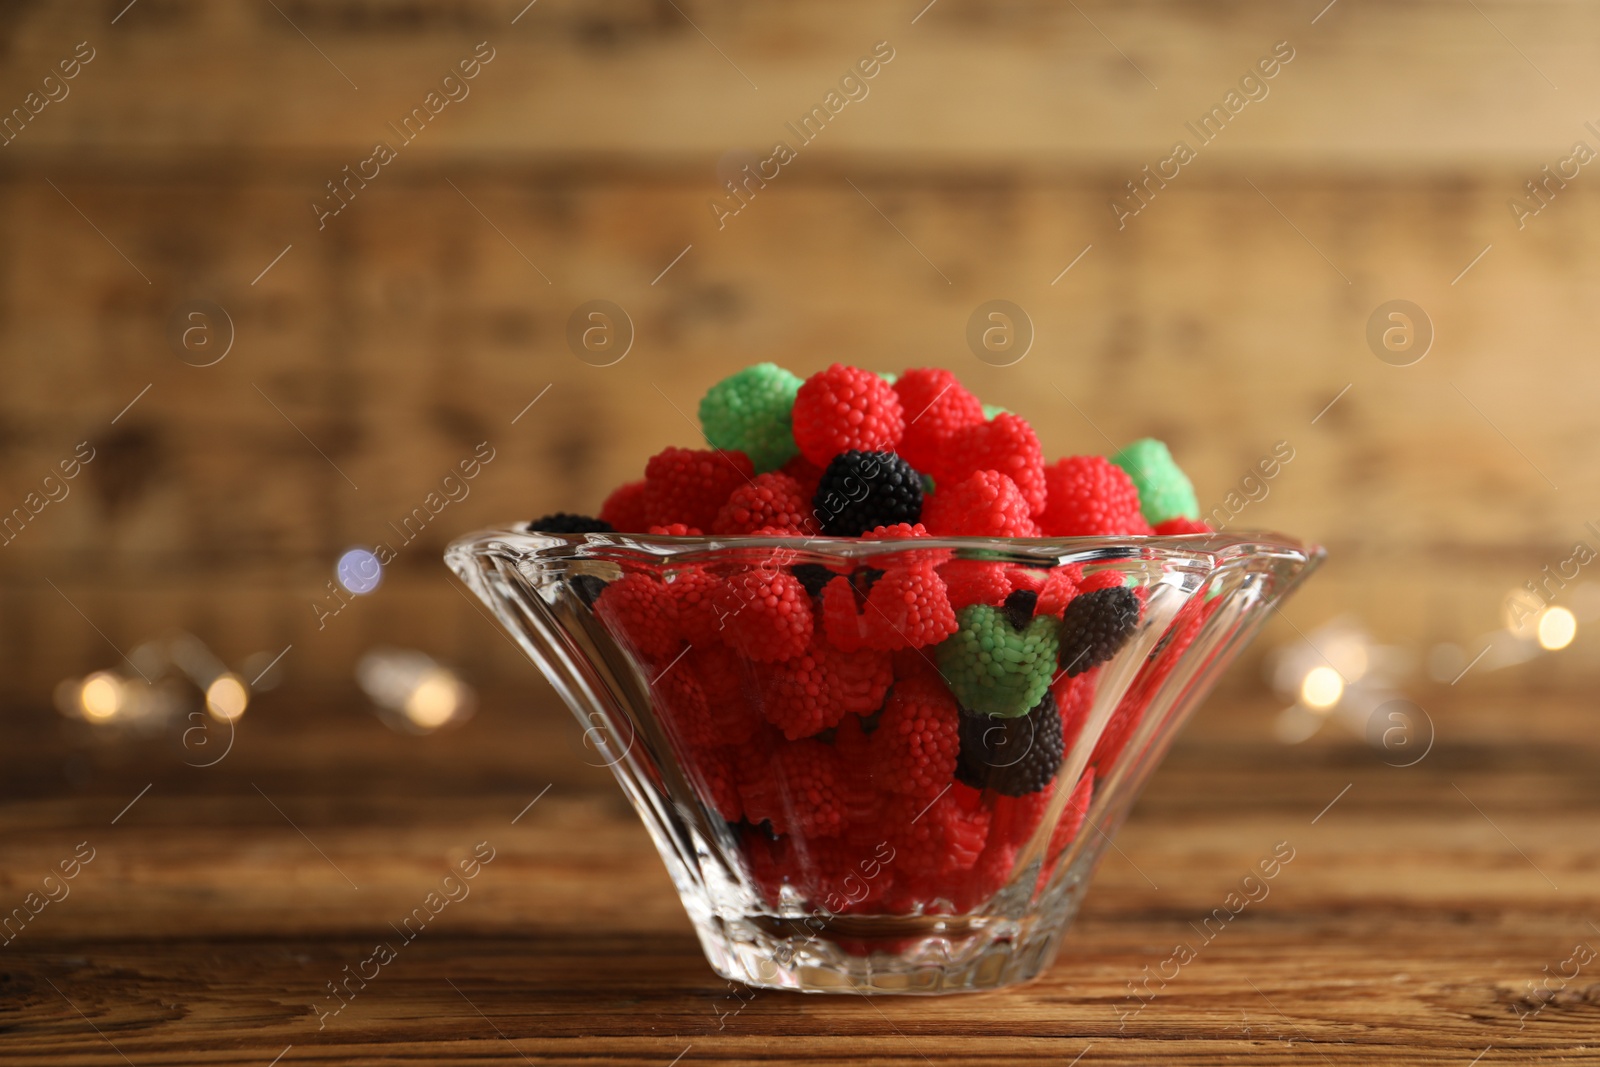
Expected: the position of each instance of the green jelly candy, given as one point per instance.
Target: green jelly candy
(752, 412)
(993, 668)
(1164, 490)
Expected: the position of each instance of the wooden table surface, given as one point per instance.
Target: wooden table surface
(1426, 917)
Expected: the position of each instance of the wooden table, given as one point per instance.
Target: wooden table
(1421, 909)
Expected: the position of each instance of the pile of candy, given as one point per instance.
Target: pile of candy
(886, 738)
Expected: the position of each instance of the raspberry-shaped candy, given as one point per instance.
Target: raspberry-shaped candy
(1090, 496)
(681, 701)
(907, 608)
(726, 681)
(844, 408)
(915, 663)
(1116, 733)
(841, 617)
(1165, 492)
(1130, 711)
(798, 790)
(862, 490)
(641, 611)
(703, 599)
(1071, 821)
(1029, 578)
(843, 876)
(935, 405)
(688, 485)
(858, 680)
(770, 500)
(1007, 445)
(1011, 826)
(902, 531)
(806, 473)
(1060, 586)
(1095, 625)
(1105, 578)
(898, 531)
(1014, 757)
(1074, 698)
(1179, 526)
(936, 839)
(918, 738)
(562, 522)
(862, 792)
(975, 581)
(993, 667)
(749, 412)
(797, 697)
(1016, 818)
(988, 876)
(984, 504)
(624, 508)
(771, 863)
(772, 620)
(713, 771)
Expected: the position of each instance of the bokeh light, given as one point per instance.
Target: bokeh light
(1557, 628)
(101, 696)
(435, 700)
(359, 571)
(227, 697)
(1321, 688)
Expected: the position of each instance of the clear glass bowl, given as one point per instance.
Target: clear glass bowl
(818, 847)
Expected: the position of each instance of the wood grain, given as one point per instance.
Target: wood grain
(399, 343)
(1406, 929)
(1416, 85)
(379, 351)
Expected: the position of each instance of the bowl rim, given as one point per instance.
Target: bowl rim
(520, 540)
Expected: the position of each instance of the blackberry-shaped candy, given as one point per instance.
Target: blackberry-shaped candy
(1014, 757)
(1019, 607)
(813, 576)
(1094, 626)
(860, 491)
(588, 587)
(565, 523)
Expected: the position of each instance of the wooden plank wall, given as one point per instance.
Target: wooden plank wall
(380, 349)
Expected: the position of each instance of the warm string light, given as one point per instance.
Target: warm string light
(169, 678)
(1338, 672)
(101, 696)
(412, 692)
(1321, 689)
(166, 680)
(1531, 628)
(1556, 629)
(226, 697)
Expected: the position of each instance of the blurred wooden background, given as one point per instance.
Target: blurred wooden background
(371, 356)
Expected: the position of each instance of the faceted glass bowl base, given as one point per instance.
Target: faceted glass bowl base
(805, 856)
(885, 954)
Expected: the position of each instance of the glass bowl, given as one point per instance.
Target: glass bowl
(780, 713)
